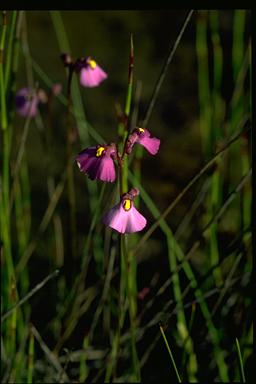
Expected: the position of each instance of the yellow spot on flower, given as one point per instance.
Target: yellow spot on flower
(92, 63)
(99, 151)
(127, 204)
(141, 130)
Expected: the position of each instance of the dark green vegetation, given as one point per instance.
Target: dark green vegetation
(172, 302)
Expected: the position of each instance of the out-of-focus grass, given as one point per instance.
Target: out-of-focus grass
(102, 313)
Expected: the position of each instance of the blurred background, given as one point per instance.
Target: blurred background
(204, 102)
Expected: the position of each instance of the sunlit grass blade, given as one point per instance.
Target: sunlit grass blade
(83, 370)
(170, 353)
(240, 361)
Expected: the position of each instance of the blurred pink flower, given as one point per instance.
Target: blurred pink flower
(97, 162)
(91, 74)
(56, 89)
(143, 137)
(124, 217)
(26, 102)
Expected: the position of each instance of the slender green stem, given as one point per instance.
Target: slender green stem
(79, 282)
(240, 361)
(238, 40)
(123, 129)
(81, 121)
(10, 49)
(128, 272)
(83, 369)
(43, 225)
(10, 292)
(70, 173)
(111, 366)
(2, 80)
(19, 158)
(170, 353)
(127, 277)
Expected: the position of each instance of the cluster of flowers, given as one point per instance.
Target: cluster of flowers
(98, 162)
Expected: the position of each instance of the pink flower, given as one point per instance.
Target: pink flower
(97, 162)
(91, 74)
(143, 137)
(124, 217)
(56, 89)
(26, 102)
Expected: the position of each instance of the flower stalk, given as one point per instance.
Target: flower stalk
(70, 174)
(98, 163)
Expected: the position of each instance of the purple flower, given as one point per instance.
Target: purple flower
(143, 137)
(26, 102)
(124, 217)
(97, 162)
(91, 74)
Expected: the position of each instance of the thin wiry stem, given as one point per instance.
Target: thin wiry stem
(50, 356)
(166, 314)
(240, 360)
(43, 225)
(30, 294)
(188, 186)
(220, 212)
(164, 71)
(170, 353)
(20, 155)
(226, 283)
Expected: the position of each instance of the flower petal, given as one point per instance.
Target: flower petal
(152, 144)
(92, 77)
(105, 169)
(124, 221)
(101, 168)
(116, 218)
(136, 222)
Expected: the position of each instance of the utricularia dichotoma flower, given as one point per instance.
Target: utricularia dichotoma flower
(90, 73)
(143, 137)
(98, 163)
(124, 217)
(26, 102)
(28, 99)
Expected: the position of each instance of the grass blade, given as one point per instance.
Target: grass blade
(170, 353)
(240, 361)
